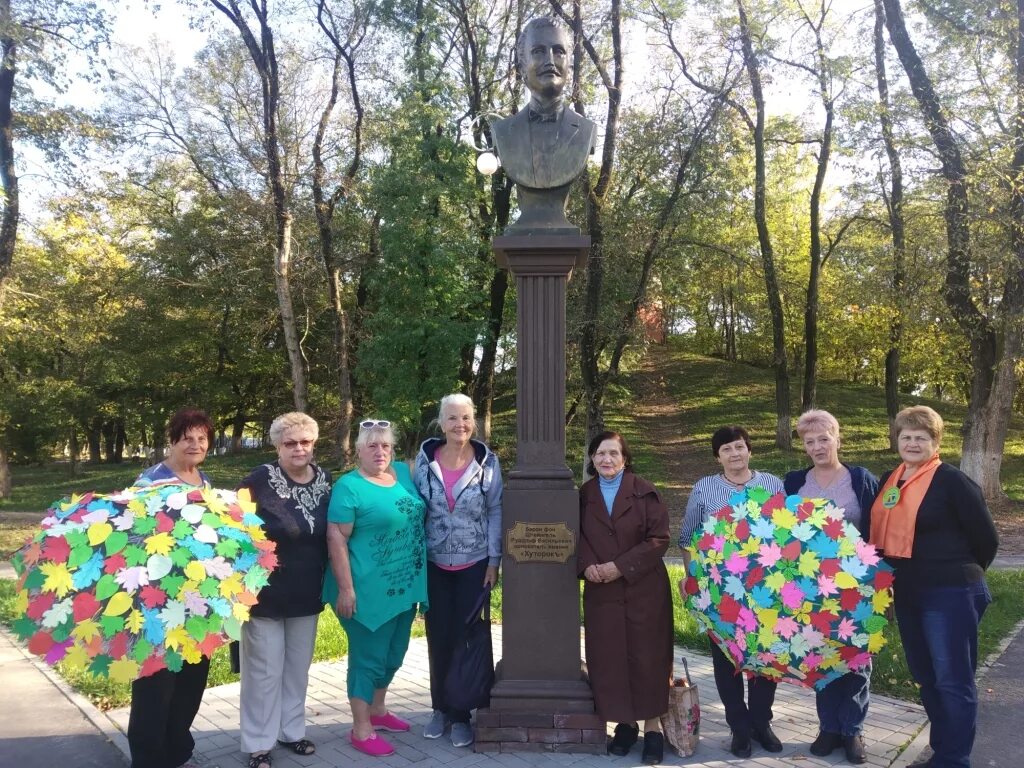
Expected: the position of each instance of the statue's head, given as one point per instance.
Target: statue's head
(543, 56)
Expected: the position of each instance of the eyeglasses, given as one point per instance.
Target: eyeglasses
(291, 444)
(374, 424)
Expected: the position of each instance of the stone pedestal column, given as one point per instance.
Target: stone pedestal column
(541, 700)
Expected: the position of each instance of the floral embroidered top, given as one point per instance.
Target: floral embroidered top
(295, 517)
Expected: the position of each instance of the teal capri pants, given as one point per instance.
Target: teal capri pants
(375, 656)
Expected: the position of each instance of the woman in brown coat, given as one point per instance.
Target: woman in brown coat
(627, 604)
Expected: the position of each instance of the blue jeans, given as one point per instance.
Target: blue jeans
(843, 703)
(939, 629)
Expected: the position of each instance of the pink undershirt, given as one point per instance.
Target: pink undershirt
(450, 478)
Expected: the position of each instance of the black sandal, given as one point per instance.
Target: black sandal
(260, 760)
(300, 747)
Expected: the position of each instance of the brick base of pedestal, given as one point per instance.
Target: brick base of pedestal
(532, 732)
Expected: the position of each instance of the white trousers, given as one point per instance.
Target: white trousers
(275, 659)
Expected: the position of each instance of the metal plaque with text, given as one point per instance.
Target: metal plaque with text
(540, 542)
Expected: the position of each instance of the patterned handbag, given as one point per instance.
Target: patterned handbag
(681, 724)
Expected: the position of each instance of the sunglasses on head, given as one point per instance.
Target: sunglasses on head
(374, 424)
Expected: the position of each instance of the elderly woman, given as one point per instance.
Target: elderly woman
(164, 704)
(291, 496)
(843, 704)
(627, 601)
(377, 577)
(752, 719)
(931, 523)
(461, 481)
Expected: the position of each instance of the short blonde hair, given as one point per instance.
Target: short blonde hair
(456, 400)
(817, 420)
(920, 417)
(290, 420)
(365, 433)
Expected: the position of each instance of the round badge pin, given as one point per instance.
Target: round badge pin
(891, 498)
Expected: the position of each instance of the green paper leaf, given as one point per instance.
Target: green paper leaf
(106, 586)
(182, 529)
(111, 625)
(171, 584)
(76, 538)
(875, 624)
(233, 628)
(35, 579)
(135, 555)
(196, 627)
(760, 495)
(24, 628)
(210, 587)
(173, 660)
(214, 624)
(144, 525)
(211, 520)
(79, 555)
(100, 665)
(181, 557)
(227, 548)
(63, 631)
(256, 578)
(115, 542)
(142, 650)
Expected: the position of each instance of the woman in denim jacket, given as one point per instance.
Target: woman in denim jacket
(460, 479)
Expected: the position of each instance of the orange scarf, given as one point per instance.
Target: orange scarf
(894, 513)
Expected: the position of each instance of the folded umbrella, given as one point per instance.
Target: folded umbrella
(129, 583)
(788, 589)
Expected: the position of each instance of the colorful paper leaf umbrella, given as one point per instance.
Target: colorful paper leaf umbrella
(787, 588)
(129, 583)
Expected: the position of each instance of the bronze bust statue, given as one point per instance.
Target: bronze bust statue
(544, 147)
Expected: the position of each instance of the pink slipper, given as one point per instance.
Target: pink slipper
(389, 722)
(374, 746)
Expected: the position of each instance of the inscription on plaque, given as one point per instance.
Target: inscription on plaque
(540, 542)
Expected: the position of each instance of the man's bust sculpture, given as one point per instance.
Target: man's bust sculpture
(544, 147)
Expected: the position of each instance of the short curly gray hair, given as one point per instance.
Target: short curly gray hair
(289, 420)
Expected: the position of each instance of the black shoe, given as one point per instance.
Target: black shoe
(826, 743)
(766, 738)
(625, 737)
(654, 748)
(740, 745)
(855, 752)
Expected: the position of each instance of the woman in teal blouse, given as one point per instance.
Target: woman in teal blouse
(377, 577)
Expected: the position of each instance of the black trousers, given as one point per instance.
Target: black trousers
(452, 595)
(163, 708)
(742, 716)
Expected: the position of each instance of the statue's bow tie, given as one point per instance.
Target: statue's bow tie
(540, 117)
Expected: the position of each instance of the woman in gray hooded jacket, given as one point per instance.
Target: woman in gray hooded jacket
(460, 479)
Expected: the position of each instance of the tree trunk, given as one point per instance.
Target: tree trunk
(117, 455)
(5, 475)
(8, 174)
(783, 435)
(73, 449)
(93, 434)
(896, 226)
(237, 430)
(108, 441)
(483, 391)
(994, 347)
(282, 283)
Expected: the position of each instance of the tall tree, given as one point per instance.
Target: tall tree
(995, 342)
(897, 225)
(259, 42)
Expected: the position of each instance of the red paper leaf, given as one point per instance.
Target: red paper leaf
(729, 609)
(152, 665)
(830, 567)
(84, 606)
(152, 597)
(754, 577)
(833, 529)
(268, 560)
(30, 555)
(792, 550)
(690, 586)
(742, 530)
(117, 648)
(114, 563)
(778, 501)
(211, 643)
(56, 549)
(823, 621)
(883, 579)
(40, 643)
(39, 605)
(164, 524)
(849, 599)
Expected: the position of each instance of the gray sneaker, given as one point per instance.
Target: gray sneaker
(462, 735)
(435, 728)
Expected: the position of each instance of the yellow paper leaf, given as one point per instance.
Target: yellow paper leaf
(783, 518)
(159, 543)
(245, 501)
(176, 638)
(766, 636)
(876, 641)
(195, 571)
(134, 621)
(830, 605)
(58, 579)
(120, 602)
(767, 617)
(76, 657)
(123, 670)
(240, 611)
(775, 582)
(190, 652)
(843, 580)
(808, 564)
(231, 586)
(21, 602)
(98, 533)
(85, 631)
(881, 600)
(847, 547)
(751, 546)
